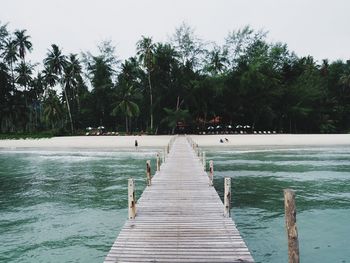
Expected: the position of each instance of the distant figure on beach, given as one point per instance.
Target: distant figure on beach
(136, 144)
(226, 139)
(221, 141)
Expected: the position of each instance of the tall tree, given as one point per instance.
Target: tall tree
(24, 74)
(216, 61)
(56, 62)
(188, 45)
(3, 34)
(145, 52)
(127, 95)
(53, 112)
(10, 57)
(22, 43)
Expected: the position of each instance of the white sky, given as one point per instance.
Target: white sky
(317, 27)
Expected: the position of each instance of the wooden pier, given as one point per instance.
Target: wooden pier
(179, 218)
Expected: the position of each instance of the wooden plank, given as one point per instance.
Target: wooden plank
(180, 218)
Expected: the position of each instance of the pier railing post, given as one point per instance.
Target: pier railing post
(131, 198)
(292, 231)
(227, 197)
(148, 173)
(211, 172)
(204, 162)
(168, 149)
(158, 162)
(163, 156)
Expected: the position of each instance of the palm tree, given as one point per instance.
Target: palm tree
(3, 34)
(56, 62)
(75, 71)
(145, 51)
(69, 81)
(24, 74)
(52, 110)
(24, 78)
(10, 56)
(22, 43)
(126, 104)
(50, 79)
(216, 61)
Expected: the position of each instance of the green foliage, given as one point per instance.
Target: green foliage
(185, 83)
(175, 116)
(18, 136)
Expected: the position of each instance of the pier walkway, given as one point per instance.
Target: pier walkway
(179, 218)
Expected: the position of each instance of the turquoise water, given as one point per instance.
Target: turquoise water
(68, 206)
(64, 206)
(321, 180)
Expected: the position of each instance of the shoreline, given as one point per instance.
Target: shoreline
(145, 141)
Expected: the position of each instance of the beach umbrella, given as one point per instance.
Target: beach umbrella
(246, 127)
(239, 127)
(229, 126)
(89, 128)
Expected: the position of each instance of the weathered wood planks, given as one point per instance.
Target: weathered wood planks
(180, 218)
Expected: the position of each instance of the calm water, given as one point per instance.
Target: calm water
(67, 206)
(321, 179)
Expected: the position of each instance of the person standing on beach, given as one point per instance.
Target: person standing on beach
(136, 144)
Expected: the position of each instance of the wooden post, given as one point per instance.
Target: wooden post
(131, 198)
(211, 172)
(227, 197)
(292, 231)
(168, 149)
(158, 162)
(204, 162)
(148, 173)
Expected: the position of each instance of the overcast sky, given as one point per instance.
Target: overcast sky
(320, 28)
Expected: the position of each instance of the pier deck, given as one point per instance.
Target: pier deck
(180, 218)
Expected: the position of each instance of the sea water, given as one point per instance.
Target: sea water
(320, 177)
(69, 205)
(65, 206)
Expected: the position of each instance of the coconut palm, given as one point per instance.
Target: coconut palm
(74, 69)
(53, 113)
(22, 43)
(10, 57)
(126, 104)
(56, 62)
(216, 61)
(69, 81)
(24, 74)
(50, 79)
(3, 34)
(145, 52)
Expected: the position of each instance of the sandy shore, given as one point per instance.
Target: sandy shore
(88, 142)
(162, 141)
(273, 139)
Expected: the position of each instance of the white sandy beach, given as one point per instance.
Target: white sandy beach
(162, 140)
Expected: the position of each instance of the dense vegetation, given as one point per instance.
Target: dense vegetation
(185, 82)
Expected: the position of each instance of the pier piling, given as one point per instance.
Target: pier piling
(292, 231)
(131, 198)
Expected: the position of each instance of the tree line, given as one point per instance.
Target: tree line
(185, 83)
